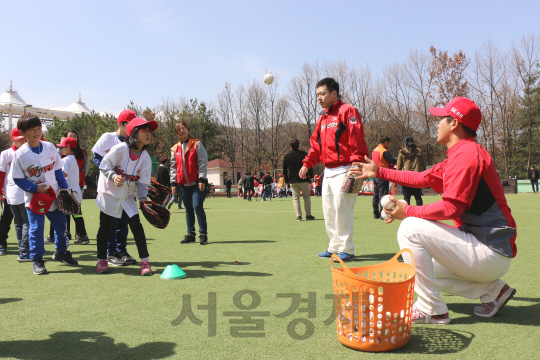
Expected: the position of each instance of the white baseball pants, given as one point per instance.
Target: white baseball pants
(338, 210)
(452, 261)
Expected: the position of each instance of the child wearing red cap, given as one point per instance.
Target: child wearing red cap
(12, 201)
(69, 147)
(117, 245)
(470, 258)
(37, 169)
(124, 177)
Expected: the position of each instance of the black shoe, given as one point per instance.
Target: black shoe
(375, 216)
(115, 260)
(189, 238)
(124, 255)
(81, 240)
(48, 240)
(169, 206)
(299, 218)
(310, 217)
(203, 239)
(65, 258)
(39, 267)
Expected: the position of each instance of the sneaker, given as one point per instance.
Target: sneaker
(24, 258)
(169, 206)
(48, 240)
(65, 258)
(81, 240)
(124, 255)
(189, 238)
(492, 308)
(203, 239)
(102, 267)
(39, 267)
(419, 317)
(115, 260)
(326, 254)
(377, 217)
(299, 218)
(310, 217)
(2, 252)
(146, 270)
(345, 257)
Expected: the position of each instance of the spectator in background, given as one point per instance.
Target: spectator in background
(267, 186)
(384, 159)
(318, 185)
(532, 174)
(410, 159)
(228, 185)
(241, 187)
(282, 187)
(292, 163)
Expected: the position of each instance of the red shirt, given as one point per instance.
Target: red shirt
(338, 138)
(472, 195)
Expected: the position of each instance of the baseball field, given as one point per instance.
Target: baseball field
(258, 291)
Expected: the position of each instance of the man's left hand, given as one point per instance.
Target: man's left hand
(201, 186)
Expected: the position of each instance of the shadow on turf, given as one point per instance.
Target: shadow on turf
(83, 345)
(427, 340)
(509, 314)
(8, 300)
(244, 242)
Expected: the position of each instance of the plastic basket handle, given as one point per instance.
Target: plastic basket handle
(345, 268)
(395, 258)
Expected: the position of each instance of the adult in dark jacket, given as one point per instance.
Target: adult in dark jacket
(292, 163)
(249, 185)
(267, 186)
(532, 174)
(228, 185)
(410, 159)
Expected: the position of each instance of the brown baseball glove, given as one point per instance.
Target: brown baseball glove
(157, 215)
(159, 193)
(67, 203)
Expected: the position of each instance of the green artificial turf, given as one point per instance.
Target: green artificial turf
(259, 251)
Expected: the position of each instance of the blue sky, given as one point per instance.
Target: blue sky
(115, 51)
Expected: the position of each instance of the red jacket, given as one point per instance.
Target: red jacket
(338, 138)
(192, 168)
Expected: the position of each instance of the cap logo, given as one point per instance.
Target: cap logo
(455, 111)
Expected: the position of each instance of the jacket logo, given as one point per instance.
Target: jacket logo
(41, 203)
(353, 120)
(127, 177)
(52, 158)
(36, 172)
(328, 126)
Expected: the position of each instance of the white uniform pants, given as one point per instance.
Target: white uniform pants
(452, 261)
(338, 210)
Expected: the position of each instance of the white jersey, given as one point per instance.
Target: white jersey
(5, 165)
(37, 168)
(105, 143)
(111, 199)
(71, 168)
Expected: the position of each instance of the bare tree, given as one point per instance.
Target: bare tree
(303, 96)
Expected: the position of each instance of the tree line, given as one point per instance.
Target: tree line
(252, 123)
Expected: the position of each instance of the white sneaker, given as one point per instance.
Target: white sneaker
(419, 317)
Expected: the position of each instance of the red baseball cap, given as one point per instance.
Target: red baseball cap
(126, 115)
(41, 203)
(71, 142)
(16, 135)
(463, 110)
(140, 121)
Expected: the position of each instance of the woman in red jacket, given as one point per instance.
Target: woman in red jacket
(189, 162)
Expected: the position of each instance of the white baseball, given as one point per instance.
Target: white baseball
(387, 203)
(268, 79)
(385, 216)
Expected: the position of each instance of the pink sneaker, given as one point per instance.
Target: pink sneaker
(419, 317)
(146, 270)
(102, 267)
(490, 309)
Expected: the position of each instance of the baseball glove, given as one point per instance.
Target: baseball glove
(157, 215)
(159, 193)
(67, 203)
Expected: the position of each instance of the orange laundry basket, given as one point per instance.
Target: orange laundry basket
(373, 304)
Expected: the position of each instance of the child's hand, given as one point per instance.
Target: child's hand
(42, 189)
(118, 181)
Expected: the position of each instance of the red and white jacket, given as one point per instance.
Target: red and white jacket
(338, 138)
(190, 168)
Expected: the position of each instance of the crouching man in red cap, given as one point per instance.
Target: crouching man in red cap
(469, 258)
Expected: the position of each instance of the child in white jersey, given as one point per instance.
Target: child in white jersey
(124, 177)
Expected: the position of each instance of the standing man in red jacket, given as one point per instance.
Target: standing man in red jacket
(468, 259)
(337, 141)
